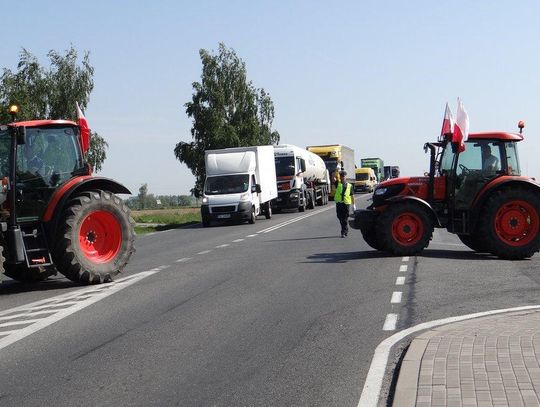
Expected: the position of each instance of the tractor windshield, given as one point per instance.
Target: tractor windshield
(50, 155)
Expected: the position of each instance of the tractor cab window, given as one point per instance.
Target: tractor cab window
(512, 159)
(49, 156)
(5, 152)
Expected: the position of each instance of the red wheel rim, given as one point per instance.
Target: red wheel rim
(516, 223)
(407, 229)
(100, 236)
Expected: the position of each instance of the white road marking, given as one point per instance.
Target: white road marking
(238, 240)
(288, 222)
(390, 322)
(372, 385)
(222, 245)
(400, 280)
(405, 259)
(396, 297)
(56, 308)
(251, 235)
(204, 252)
(403, 268)
(182, 260)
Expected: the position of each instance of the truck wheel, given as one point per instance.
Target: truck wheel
(311, 201)
(302, 207)
(404, 229)
(252, 216)
(95, 239)
(267, 210)
(472, 242)
(510, 225)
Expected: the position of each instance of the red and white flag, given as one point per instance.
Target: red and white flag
(85, 130)
(448, 123)
(461, 128)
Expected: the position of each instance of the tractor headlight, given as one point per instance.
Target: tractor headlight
(380, 191)
(381, 194)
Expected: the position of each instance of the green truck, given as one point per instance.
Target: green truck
(376, 164)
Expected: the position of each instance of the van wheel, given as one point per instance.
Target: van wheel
(252, 217)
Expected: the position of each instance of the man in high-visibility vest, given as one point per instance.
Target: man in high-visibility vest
(344, 199)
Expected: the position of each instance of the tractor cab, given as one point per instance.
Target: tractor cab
(48, 155)
(487, 156)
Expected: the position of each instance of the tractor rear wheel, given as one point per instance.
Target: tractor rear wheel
(472, 242)
(404, 229)
(95, 239)
(510, 224)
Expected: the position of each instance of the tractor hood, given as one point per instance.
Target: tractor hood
(408, 186)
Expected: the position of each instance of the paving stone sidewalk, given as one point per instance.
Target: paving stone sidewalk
(487, 361)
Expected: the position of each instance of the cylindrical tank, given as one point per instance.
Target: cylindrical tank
(315, 168)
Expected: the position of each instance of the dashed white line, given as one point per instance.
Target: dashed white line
(403, 268)
(204, 252)
(222, 245)
(405, 258)
(183, 259)
(238, 240)
(390, 322)
(396, 297)
(400, 280)
(251, 235)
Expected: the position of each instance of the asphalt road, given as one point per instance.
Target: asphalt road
(283, 312)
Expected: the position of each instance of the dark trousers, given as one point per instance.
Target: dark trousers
(342, 212)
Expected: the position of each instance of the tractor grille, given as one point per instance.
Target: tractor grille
(220, 209)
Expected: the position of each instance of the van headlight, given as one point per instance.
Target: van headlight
(245, 196)
(205, 200)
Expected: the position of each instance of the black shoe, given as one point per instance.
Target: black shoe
(342, 235)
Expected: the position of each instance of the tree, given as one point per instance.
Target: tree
(51, 93)
(227, 111)
(143, 192)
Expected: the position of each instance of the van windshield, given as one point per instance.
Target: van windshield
(226, 184)
(362, 176)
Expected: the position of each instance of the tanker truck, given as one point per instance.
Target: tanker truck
(302, 179)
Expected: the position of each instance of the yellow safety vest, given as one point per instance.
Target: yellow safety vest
(346, 196)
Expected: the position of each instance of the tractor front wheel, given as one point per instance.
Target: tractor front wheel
(510, 224)
(404, 229)
(95, 239)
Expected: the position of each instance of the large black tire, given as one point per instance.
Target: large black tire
(302, 207)
(510, 223)
(311, 200)
(252, 216)
(404, 229)
(103, 222)
(472, 242)
(205, 222)
(371, 239)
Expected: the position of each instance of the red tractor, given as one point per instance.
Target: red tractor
(54, 215)
(478, 193)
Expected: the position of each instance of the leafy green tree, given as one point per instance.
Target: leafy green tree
(227, 111)
(51, 93)
(143, 192)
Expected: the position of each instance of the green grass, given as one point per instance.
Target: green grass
(164, 220)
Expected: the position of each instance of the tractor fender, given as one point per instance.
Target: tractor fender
(402, 198)
(71, 188)
(497, 185)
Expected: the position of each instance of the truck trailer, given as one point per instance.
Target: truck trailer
(337, 157)
(376, 164)
(302, 178)
(240, 184)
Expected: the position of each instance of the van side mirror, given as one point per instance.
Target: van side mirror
(256, 188)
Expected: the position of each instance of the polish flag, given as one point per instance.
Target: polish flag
(448, 123)
(461, 128)
(85, 131)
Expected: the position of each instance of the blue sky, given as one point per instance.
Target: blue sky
(373, 75)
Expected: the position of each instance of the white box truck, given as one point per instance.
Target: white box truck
(240, 184)
(302, 178)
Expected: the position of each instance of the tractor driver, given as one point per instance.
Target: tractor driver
(34, 163)
(490, 163)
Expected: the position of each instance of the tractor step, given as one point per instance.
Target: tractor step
(35, 246)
